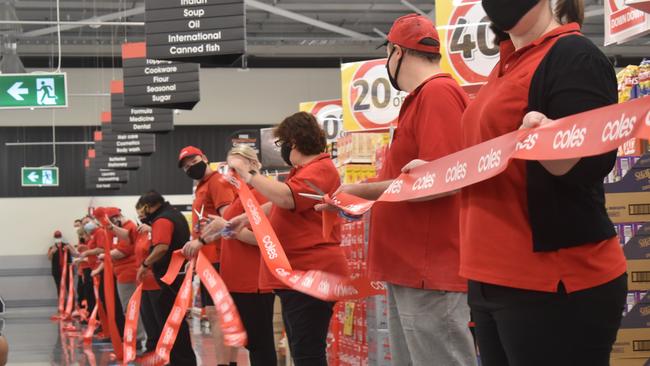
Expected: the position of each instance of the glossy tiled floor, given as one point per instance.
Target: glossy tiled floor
(34, 340)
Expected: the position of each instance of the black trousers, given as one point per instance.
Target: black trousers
(182, 353)
(87, 289)
(57, 282)
(306, 320)
(80, 289)
(119, 313)
(256, 312)
(527, 328)
(151, 319)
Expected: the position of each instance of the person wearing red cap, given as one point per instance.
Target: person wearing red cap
(56, 254)
(124, 263)
(211, 197)
(414, 246)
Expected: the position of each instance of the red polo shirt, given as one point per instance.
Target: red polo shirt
(240, 262)
(212, 193)
(125, 269)
(416, 244)
(142, 246)
(496, 235)
(300, 230)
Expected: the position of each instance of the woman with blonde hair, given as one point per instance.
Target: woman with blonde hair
(240, 266)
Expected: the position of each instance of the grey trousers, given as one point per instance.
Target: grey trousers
(126, 290)
(429, 328)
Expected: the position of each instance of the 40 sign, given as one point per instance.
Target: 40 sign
(369, 101)
(468, 48)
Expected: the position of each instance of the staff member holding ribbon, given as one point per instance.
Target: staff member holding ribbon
(169, 232)
(240, 266)
(300, 230)
(56, 255)
(123, 256)
(149, 314)
(547, 274)
(414, 246)
(211, 196)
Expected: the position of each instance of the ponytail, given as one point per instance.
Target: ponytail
(570, 11)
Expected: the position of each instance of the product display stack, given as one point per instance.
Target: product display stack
(628, 205)
(359, 329)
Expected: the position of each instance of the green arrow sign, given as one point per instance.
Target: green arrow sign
(40, 177)
(33, 90)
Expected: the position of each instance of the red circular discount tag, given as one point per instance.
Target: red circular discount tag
(470, 42)
(330, 115)
(374, 101)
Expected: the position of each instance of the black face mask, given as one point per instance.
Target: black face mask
(197, 171)
(505, 14)
(393, 80)
(285, 152)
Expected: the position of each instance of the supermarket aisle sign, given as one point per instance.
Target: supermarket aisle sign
(368, 99)
(329, 114)
(623, 23)
(467, 43)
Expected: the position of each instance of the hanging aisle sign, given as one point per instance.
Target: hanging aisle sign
(204, 31)
(125, 143)
(467, 44)
(155, 83)
(624, 23)
(368, 99)
(136, 119)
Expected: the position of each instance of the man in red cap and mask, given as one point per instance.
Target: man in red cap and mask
(124, 264)
(211, 196)
(56, 255)
(414, 246)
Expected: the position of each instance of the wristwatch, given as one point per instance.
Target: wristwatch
(252, 174)
(202, 241)
(144, 264)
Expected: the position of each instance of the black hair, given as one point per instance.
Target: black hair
(151, 198)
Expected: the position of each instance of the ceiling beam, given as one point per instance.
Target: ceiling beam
(307, 20)
(98, 19)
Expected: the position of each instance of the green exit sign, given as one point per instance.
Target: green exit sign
(33, 90)
(40, 177)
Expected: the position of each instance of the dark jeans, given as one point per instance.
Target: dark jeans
(87, 290)
(151, 319)
(528, 328)
(182, 353)
(306, 320)
(119, 313)
(256, 312)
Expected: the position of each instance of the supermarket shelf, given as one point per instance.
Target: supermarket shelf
(643, 5)
(353, 161)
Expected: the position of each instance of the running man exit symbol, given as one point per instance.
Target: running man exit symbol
(45, 92)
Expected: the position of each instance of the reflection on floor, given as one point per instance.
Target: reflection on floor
(35, 340)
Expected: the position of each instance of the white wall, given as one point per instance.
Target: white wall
(27, 224)
(228, 96)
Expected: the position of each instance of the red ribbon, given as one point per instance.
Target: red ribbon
(131, 325)
(62, 285)
(585, 134)
(70, 303)
(92, 322)
(109, 296)
(319, 284)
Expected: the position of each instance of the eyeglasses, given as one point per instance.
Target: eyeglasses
(278, 143)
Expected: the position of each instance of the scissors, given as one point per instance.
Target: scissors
(318, 197)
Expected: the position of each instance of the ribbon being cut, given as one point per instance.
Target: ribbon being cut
(581, 135)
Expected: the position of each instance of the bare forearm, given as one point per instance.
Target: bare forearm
(559, 167)
(158, 252)
(276, 192)
(247, 236)
(121, 233)
(371, 191)
(116, 254)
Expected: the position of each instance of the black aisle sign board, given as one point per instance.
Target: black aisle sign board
(103, 186)
(116, 162)
(155, 83)
(106, 176)
(137, 119)
(245, 137)
(126, 144)
(211, 32)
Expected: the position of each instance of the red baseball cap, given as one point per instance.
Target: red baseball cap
(57, 234)
(188, 151)
(112, 211)
(416, 32)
